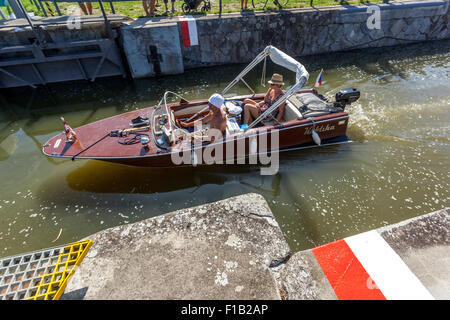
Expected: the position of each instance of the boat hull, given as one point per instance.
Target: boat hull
(165, 161)
(233, 148)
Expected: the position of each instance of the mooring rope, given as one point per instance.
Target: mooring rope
(73, 158)
(133, 140)
(120, 133)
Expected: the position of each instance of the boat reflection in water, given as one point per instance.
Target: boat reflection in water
(103, 178)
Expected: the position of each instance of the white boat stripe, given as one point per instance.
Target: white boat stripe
(392, 276)
(57, 143)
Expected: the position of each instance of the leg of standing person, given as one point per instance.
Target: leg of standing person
(152, 7)
(173, 6)
(89, 7)
(144, 4)
(82, 7)
(165, 4)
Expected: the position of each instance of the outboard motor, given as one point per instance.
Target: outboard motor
(346, 96)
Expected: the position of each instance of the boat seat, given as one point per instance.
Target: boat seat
(291, 112)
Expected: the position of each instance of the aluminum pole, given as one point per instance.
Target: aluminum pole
(16, 8)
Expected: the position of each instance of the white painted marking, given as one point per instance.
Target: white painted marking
(386, 268)
(192, 26)
(192, 29)
(340, 123)
(57, 143)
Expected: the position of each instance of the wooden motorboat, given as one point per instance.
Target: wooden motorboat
(150, 137)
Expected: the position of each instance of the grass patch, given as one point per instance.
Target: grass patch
(134, 9)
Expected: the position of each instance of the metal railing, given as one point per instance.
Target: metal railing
(55, 4)
(42, 4)
(45, 7)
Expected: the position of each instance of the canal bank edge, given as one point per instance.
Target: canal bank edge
(234, 249)
(220, 250)
(404, 261)
(239, 37)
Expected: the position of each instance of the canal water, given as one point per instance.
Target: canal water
(397, 167)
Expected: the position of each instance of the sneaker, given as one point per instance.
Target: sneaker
(173, 10)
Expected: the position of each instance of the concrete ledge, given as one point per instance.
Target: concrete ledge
(18, 32)
(399, 5)
(58, 22)
(221, 250)
(234, 249)
(422, 243)
(301, 278)
(152, 49)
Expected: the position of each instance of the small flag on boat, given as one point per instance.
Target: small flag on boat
(319, 80)
(71, 136)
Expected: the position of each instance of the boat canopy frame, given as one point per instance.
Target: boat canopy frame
(278, 57)
(282, 59)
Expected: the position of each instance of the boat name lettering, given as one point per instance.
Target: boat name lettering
(321, 128)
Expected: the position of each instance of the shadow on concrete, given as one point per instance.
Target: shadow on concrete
(75, 294)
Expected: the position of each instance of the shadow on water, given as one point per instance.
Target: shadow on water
(102, 177)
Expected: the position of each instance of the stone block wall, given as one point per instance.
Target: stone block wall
(238, 38)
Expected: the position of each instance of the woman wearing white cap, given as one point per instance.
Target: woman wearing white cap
(216, 116)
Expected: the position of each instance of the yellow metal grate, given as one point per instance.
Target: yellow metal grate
(41, 274)
(54, 280)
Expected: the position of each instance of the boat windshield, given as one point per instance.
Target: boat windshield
(163, 122)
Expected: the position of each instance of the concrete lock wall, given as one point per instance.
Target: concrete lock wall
(58, 49)
(53, 30)
(239, 37)
(152, 49)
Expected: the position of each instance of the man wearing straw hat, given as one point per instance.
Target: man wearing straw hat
(253, 109)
